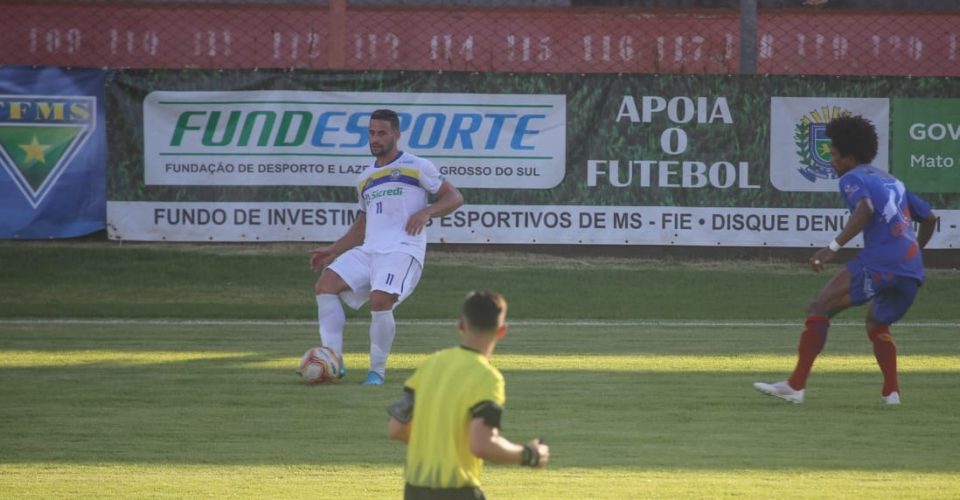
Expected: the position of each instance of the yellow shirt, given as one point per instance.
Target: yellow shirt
(446, 387)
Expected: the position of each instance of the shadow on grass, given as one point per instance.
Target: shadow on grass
(220, 411)
(233, 405)
(284, 340)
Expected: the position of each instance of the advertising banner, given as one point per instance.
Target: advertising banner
(272, 138)
(52, 153)
(540, 159)
(800, 148)
(926, 144)
(482, 224)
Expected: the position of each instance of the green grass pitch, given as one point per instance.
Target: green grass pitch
(641, 394)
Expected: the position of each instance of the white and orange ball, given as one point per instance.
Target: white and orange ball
(319, 365)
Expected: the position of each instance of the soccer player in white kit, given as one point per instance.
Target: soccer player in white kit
(381, 255)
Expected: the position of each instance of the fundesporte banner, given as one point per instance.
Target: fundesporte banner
(302, 138)
(543, 159)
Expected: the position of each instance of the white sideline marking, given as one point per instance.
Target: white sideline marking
(452, 322)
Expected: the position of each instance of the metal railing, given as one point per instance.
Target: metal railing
(834, 37)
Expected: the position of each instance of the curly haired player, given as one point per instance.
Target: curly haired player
(887, 272)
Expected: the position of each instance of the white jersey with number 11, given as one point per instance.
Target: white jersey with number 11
(389, 195)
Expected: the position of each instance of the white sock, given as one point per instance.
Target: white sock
(331, 318)
(382, 330)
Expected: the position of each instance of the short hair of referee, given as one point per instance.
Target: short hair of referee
(484, 311)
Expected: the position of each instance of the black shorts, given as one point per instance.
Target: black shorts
(411, 492)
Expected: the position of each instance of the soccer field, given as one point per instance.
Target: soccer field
(648, 406)
(155, 409)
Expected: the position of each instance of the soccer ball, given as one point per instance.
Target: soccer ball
(319, 365)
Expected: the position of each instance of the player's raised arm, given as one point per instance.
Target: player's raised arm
(858, 220)
(448, 199)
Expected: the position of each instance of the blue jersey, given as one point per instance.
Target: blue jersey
(889, 241)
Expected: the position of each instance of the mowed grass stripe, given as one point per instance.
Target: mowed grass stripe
(306, 480)
(666, 323)
(510, 362)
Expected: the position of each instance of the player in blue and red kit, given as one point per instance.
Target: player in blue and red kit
(887, 272)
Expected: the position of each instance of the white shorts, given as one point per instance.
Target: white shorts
(395, 273)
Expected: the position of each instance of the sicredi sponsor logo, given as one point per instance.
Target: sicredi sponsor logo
(373, 195)
(477, 140)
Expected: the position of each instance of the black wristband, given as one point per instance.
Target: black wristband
(531, 456)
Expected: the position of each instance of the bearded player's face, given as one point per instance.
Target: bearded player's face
(383, 138)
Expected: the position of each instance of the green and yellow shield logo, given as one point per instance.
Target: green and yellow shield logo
(39, 135)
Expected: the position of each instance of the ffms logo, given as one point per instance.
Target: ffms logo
(39, 136)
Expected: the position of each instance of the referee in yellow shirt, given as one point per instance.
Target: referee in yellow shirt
(449, 415)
